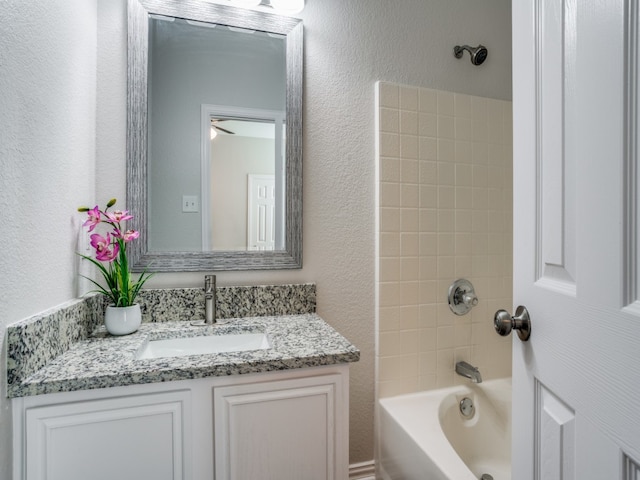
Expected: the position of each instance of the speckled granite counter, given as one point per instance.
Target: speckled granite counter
(105, 361)
(66, 348)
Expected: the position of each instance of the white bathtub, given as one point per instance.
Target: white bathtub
(424, 436)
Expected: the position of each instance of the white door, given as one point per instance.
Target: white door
(576, 411)
(261, 215)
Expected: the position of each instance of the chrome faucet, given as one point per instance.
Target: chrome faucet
(469, 371)
(209, 299)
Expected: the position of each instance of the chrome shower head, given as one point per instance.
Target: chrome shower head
(478, 54)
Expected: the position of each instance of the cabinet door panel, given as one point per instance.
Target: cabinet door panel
(279, 430)
(128, 438)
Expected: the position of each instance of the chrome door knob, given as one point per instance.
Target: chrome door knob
(503, 322)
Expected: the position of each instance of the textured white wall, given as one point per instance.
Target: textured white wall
(47, 159)
(47, 122)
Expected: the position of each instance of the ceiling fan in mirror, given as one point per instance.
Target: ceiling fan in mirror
(215, 127)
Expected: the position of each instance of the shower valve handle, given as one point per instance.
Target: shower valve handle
(462, 296)
(503, 322)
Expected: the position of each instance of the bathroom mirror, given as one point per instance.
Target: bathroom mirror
(214, 100)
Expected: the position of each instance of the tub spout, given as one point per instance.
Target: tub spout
(469, 371)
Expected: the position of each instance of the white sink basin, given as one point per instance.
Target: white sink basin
(202, 345)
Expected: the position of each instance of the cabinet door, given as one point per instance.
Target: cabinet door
(282, 430)
(124, 438)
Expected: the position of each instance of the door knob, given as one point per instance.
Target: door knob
(504, 323)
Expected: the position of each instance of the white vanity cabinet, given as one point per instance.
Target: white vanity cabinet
(287, 425)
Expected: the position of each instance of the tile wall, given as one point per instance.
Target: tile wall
(444, 206)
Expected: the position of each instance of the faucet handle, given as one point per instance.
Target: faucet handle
(470, 299)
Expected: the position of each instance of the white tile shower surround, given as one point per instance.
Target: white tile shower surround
(444, 206)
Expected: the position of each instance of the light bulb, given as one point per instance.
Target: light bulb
(246, 3)
(213, 134)
(288, 6)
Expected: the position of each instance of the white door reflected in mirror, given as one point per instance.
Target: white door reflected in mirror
(261, 228)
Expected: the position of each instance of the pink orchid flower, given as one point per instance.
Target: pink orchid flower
(126, 236)
(105, 250)
(109, 255)
(111, 247)
(118, 216)
(94, 218)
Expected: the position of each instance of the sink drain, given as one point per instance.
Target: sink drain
(486, 476)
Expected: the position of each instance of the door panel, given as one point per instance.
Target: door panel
(577, 381)
(556, 436)
(631, 172)
(554, 66)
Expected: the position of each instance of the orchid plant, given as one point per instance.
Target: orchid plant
(111, 254)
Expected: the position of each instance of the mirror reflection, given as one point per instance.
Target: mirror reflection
(216, 117)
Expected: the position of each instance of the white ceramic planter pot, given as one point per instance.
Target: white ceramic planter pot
(122, 320)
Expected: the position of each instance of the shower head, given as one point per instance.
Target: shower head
(478, 54)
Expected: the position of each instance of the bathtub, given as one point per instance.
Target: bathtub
(424, 436)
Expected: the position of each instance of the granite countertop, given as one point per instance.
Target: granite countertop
(102, 360)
